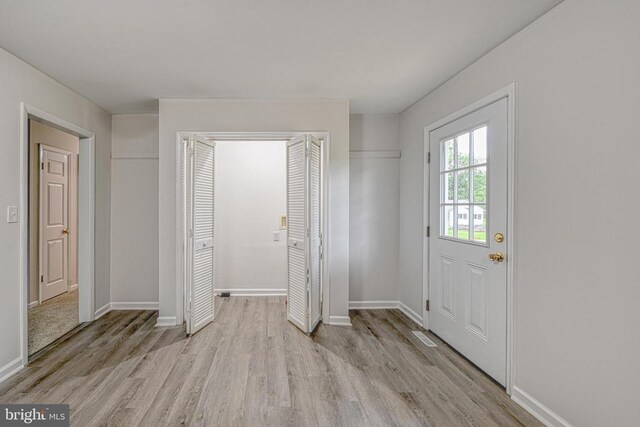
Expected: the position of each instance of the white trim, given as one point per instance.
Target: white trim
(339, 321)
(373, 305)
(124, 155)
(253, 292)
(166, 321)
(102, 311)
(128, 305)
(388, 305)
(72, 287)
(10, 368)
(545, 415)
(375, 154)
(259, 136)
(151, 305)
(34, 304)
(509, 93)
(410, 313)
(86, 217)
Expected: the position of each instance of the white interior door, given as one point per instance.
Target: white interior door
(468, 219)
(304, 232)
(54, 221)
(199, 170)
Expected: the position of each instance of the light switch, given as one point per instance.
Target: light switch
(12, 214)
(276, 236)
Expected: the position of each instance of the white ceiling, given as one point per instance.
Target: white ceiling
(382, 54)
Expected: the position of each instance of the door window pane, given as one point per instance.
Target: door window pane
(448, 187)
(480, 146)
(448, 221)
(479, 227)
(479, 184)
(464, 186)
(462, 142)
(463, 222)
(448, 154)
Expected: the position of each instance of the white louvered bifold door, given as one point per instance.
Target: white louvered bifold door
(315, 231)
(201, 301)
(186, 218)
(297, 254)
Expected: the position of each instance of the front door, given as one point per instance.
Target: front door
(54, 221)
(467, 247)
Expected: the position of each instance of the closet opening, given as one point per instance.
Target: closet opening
(251, 223)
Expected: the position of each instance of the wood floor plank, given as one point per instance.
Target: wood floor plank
(251, 367)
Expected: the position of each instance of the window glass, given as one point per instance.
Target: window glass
(464, 186)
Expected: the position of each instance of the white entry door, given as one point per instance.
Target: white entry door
(468, 239)
(304, 232)
(54, 221)
(199, 219)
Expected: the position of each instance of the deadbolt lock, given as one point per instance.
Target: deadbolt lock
(499, 237)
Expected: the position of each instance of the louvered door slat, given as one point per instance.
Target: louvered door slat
(201, 312)
(297, 308)
(315, 231)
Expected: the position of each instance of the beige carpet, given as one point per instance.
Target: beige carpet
(52, 319)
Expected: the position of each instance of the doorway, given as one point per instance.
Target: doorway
(469, 233)
(300, 227)
(53, 218)
(78, 297)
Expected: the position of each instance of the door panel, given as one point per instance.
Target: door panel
(304, 232)
(467, 206)
(200, 284)
(315, 231)
(54, 220)
(297, 210)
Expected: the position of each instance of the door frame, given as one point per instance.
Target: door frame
(508, 92)
(86, 217)
(43, 147)
(324, 136)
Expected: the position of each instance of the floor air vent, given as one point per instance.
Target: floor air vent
(422, 337)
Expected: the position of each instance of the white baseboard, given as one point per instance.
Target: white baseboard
(166, 321)
(410, 313)
(372, 305)
(379, 305)
(73, 287)
(10, 368)
(339, 320)
(545, 415)
(102, 311)
(144, 305)
(154, 305)
(34, 304)
(253, 292)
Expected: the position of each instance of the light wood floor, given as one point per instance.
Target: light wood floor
(251, 367)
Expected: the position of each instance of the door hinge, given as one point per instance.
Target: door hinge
(42, 165)
(428, 231)
(41, 278)
(428, 159)
(426, 305)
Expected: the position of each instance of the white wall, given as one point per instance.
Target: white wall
(577, 293)
(250, 196)
(256, 116)
(134, 210)
(19, 82)
(374, 199)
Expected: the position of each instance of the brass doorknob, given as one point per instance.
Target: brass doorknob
(65, 231)
(497, 257)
